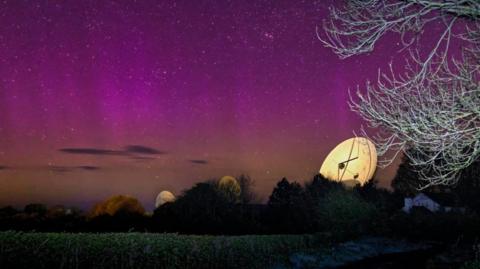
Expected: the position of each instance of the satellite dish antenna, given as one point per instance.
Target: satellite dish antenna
(352, 162)
(164, 197)
(229, 184)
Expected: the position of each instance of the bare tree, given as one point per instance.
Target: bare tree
(247, 194)
(433, 106)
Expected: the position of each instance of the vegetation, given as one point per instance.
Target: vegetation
(287, 209)
(463, 194)
(405, 181)
(296, 217)
(118, 204)
(432, 103)
(201, 209)
(346, 212)
(143, 250)
(318, 206)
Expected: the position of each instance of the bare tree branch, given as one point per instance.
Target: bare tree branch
(434, 107)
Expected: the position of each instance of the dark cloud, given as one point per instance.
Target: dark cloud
(91, 151)
(88, 167)
(139, 149)
(128, 150)
(198, 161)
(65, 169)
(143, 158)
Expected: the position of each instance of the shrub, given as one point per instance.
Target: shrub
(345, 212)
(118, 204)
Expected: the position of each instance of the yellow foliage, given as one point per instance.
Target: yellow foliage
(118, 203)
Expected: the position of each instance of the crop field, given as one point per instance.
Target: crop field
(145, 250)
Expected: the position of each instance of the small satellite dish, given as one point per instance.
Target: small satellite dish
(229, 184)
(353, 161)
(164, 197)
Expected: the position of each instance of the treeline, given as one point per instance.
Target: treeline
(318, 206)
(208, 208)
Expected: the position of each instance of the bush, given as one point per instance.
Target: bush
(118, 204)
(346, 213)
(203, 209)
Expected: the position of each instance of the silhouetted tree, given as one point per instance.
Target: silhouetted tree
(384, 200)
(201, 209)
(467, 189)
(288, 209)
(7, 211)
(7, 215)
(38, 209)
(285, 193)
(464, 192)
(247, 194)
(206, 208)
(320, 186)
(165, 218)
(406, 181)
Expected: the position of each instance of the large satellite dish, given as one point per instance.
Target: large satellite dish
(352, 162)
(164, 197)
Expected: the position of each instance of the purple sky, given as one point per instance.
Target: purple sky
(203, 88)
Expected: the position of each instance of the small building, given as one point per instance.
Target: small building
(434, 202)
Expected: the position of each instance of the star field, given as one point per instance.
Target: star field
(110, 97)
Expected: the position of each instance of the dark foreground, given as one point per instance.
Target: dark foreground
(145, 250)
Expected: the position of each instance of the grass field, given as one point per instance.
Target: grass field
(144, 250)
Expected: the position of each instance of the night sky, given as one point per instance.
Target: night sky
(133, 97)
